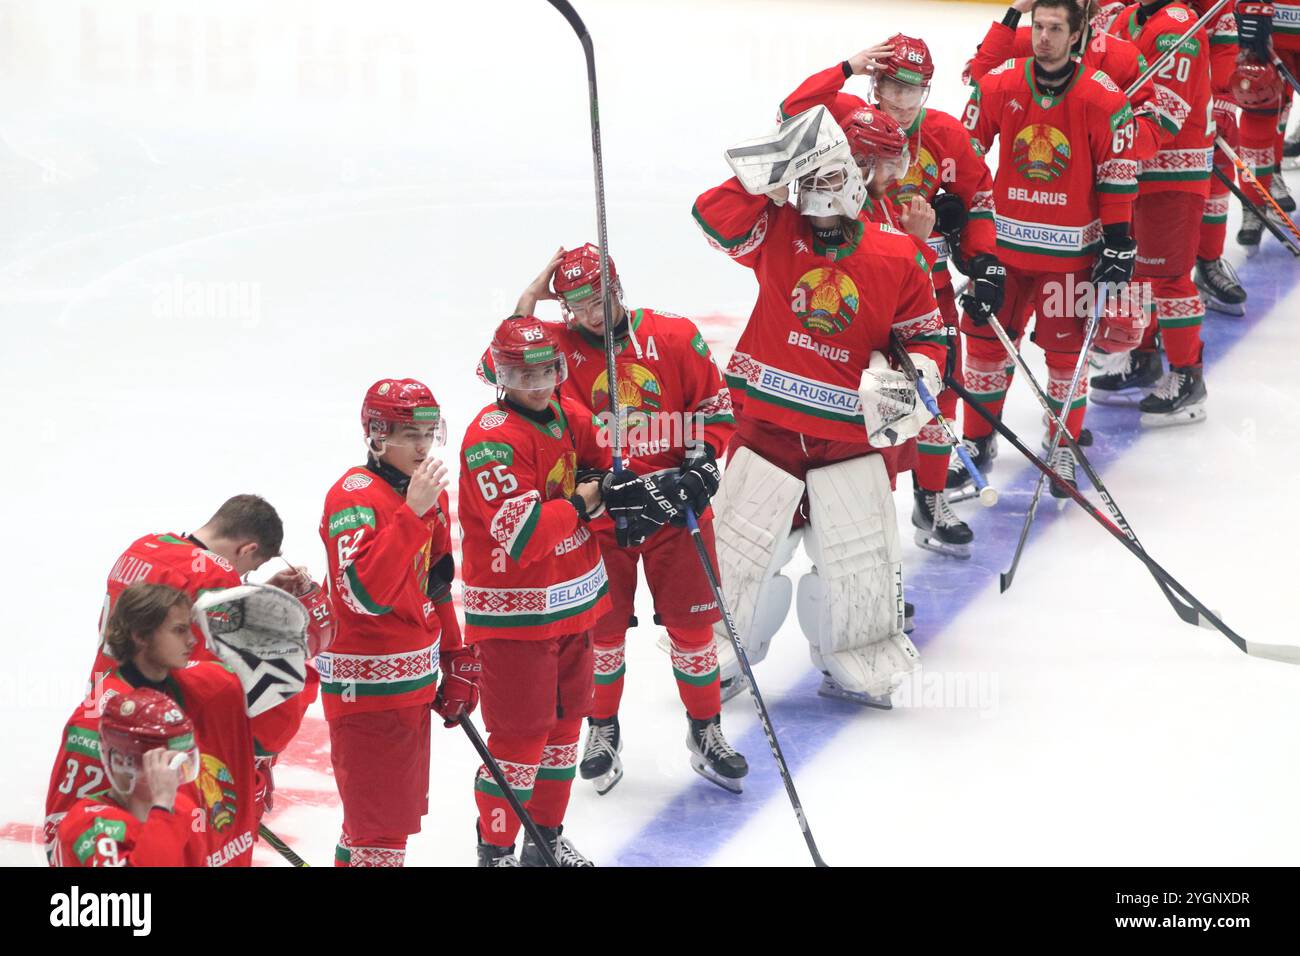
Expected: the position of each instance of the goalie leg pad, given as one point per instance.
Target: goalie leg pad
(851, 606)
(751, 522)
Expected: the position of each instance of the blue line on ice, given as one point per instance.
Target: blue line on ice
(695, 824)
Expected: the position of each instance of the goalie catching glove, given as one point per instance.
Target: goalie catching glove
(891, 406)
(260, 633)
(800, 145)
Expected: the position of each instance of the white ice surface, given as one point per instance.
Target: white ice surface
(372, 184)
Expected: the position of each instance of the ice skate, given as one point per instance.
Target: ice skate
(832, 689)
(1277, 188)
(1122, 376)
(1179, 399)
(565, 852)
(492, 855)
(1219, 286)
(712, 757)
(938, 528)
(1063, 464)
(601, 763)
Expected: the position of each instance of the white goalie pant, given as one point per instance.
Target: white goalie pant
(752, 512)
(851, 606)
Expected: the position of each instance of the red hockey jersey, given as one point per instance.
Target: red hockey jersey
(821, 310)
(213, 699)
(1182, 98)
(665, 371)
(389, 631)
(942, 155)
(1113, 55)
(100, 832)
(176, 561)
(532, 567)
(1065, 163)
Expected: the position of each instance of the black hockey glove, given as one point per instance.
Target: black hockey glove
(575, 499)
(984, 296)
(1117, 258)
(1254, 28)
(641, 505)
(696, 482)
(950, 215)
(441, 574)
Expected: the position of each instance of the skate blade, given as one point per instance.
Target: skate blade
(1127, 398)
(836, 692)
(1184, 416)
(1223, 308)
(959, 551)
(1251, 251)
(609, 780)
(726, 783)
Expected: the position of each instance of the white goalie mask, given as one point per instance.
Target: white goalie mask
(834, 189)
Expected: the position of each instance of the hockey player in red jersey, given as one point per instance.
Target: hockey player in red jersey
(938, 155)
(243, 534)
(1265, 30)
(1173, 186)
(1216, 280)
(812, 360)
(387, 533)
(142, 817)
(534, 473)
(1063, 194)
(678, 421)
(152, 640)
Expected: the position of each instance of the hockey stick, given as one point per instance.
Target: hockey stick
(507, 791)
(589, 53)
(1283, 72)
(1286, 653)
(1094, 322)
(1247, 176)
(1266, 219)
(988, 495)
(1182, 610)
(280, 847)
(763, 717)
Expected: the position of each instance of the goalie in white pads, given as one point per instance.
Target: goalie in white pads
(824, 419)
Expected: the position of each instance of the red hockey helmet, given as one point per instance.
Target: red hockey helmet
(1255, 85)
(526, 354)
(131, 725)
(878, 144)
(577, 278)
(903, 80)
(400, 401)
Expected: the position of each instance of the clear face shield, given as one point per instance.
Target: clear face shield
(533, 376)
(884, 172)
(583, 307)
(428, 430)
(901, 101)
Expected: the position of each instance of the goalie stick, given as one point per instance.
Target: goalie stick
(763, 718)
(988, 495)
(1286, 653)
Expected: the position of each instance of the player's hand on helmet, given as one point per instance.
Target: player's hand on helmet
(696, 482)
(868, 60)
(917, 217)
(161, 779)
(985, 294)
(540, 287)
(295, 579)
(458, 692)
(428, 482)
